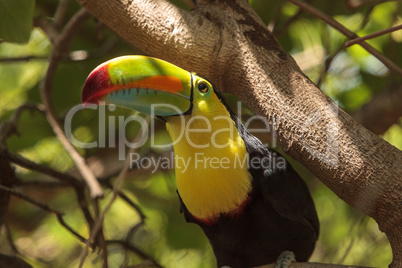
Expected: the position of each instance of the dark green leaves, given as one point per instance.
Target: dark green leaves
(16, 20)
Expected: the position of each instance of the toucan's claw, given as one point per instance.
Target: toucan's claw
(285, 259)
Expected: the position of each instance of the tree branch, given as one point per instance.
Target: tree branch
(135, 250)
(61, 46)
(60, 13)
(97, 227)
(129, 201)
(349, 34)
(26, 163)
(7, 172)
(173, 32)
(372, 35)
(45, 207)
(9, 127)
(10, 239)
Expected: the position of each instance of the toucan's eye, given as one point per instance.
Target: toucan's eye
(203, 87)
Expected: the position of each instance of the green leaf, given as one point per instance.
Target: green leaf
(16, 20)
(19, 77)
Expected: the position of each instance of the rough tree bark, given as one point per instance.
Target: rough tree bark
(227, 42)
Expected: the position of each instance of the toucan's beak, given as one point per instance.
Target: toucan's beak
(145, 84)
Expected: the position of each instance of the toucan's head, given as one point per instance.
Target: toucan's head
(158, 88)
(149, 85)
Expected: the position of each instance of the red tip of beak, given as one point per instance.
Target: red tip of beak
(96, 83)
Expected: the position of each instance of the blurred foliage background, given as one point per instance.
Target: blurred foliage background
(350, 76)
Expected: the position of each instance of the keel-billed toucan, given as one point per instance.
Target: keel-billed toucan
(248, 200)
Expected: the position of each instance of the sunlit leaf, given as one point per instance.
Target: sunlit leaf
(20, 76)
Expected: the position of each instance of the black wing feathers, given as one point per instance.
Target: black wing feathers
(279, 184)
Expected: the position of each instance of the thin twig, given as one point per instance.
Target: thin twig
(135, 250)
(349, 34)
(136, 208)
(42, 184)
(273, 23)
(24, 58)
(60, 13)
(82, 202)
(29, 199)
(48, 28)
(119, 181)
(327, 64)
(100, 238)
(45, 207)
(330, 58)
(10, 239)
(356, 4)
(372, 35)
(65, 225)
(9, 127)
(128, 201)
(26, 163)
(61, 46)
(278, 31)
(132, 204)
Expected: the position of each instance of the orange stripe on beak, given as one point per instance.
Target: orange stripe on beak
(159, 82)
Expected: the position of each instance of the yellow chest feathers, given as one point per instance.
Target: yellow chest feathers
(210, 161)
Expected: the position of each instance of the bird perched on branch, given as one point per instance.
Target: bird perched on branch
(247, 199)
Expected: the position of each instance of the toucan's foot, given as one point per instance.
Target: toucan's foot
(285, 259)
